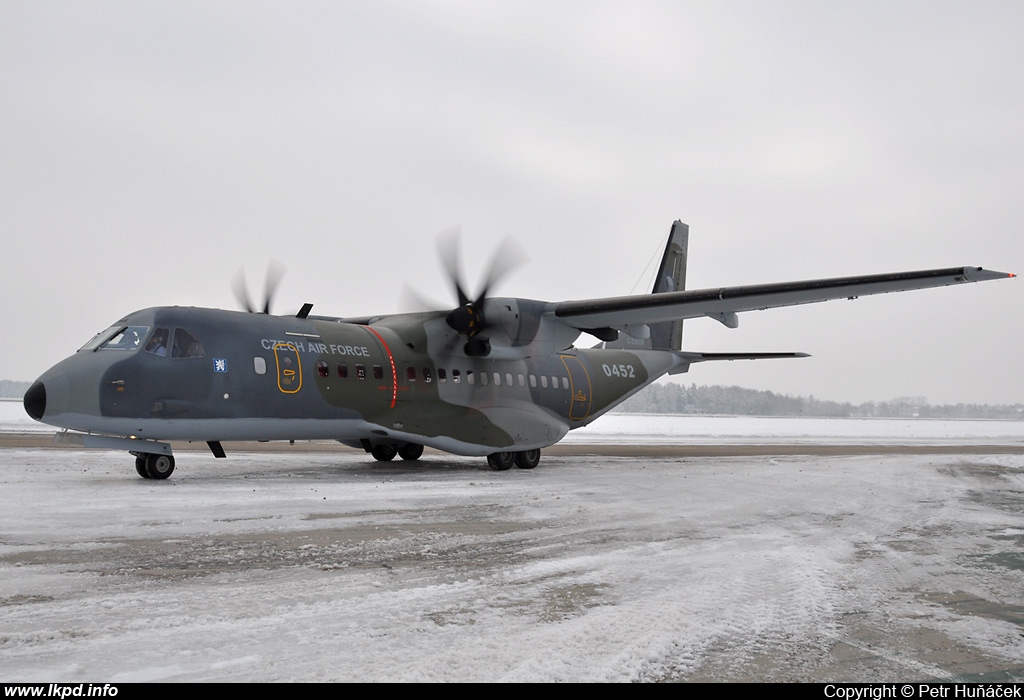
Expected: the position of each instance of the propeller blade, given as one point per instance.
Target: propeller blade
(275, 271)
(507, 258)
(241, 290)
(412, 300)
(448, 250)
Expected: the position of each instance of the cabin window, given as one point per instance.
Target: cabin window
(565, 382)
(360, 371)
(456, 376)
(469, 376)
(508, 378)
(410, 374)
(186, 345)
(259, 365)
(483, 379)
(378, 372)
(543, 381)
(497, 379)
(533, 381)
(342, 370)
(441, 375)
(428, 376)
(554, 382)
(323, 369)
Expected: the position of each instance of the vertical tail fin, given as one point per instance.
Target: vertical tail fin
(671, 277)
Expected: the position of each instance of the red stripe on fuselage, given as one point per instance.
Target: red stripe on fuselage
(394, 370)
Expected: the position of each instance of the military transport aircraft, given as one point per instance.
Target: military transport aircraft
(495, 377)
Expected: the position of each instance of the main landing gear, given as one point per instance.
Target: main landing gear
(154, 466)
(410, 452)
(385, 452)
(500, 461)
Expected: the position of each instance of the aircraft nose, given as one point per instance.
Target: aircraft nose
(35, 401)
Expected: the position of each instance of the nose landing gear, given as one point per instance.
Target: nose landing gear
(154, 466)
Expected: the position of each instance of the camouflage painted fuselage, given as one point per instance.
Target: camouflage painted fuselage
(398, 379)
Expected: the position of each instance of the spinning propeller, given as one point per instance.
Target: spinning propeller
(468, 319)
(275, 271)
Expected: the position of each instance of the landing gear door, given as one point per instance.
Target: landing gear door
(289, 369)
(579, 385)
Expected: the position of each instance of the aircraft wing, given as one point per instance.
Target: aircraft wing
(724, 303)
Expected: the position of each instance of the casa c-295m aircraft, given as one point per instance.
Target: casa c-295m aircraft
(495, 377)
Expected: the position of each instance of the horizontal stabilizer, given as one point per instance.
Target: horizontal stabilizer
(688, 358)
(712, 356)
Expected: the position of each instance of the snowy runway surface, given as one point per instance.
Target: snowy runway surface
(327, 566)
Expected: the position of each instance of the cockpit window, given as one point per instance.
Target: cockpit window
(186, 345)
(118, 338)
(157, 343)
(100, 338)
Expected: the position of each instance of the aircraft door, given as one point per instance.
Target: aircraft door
(579, 385)
(289, 368)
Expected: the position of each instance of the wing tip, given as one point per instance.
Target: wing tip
(983, 275)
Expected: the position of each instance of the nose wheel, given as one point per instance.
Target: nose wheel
(154, 466)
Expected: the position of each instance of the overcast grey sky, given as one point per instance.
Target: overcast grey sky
(150, 150)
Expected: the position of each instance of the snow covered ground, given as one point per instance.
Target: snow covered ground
(717, 430)
(327, 566)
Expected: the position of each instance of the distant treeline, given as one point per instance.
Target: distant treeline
(12, 390)
(737, 401)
